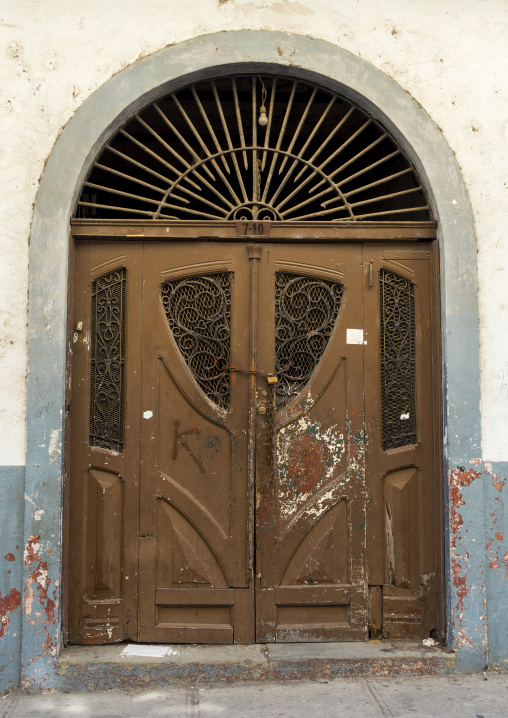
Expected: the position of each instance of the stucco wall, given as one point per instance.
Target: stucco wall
(448, 56)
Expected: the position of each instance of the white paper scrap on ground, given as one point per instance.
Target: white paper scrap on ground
(134, 649)
(354, 336)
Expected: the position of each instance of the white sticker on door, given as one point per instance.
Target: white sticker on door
(354, 336)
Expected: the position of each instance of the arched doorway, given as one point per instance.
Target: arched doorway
(254, 419)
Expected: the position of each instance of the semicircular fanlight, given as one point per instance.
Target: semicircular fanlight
(253, 147)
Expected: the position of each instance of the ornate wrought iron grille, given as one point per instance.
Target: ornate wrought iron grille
(306, 309)
(107, 365)
(253, 147)
(397, 361)
(198, 310)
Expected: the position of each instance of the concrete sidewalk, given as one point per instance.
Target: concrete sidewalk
(476, 696)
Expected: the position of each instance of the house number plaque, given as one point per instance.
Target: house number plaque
(253, 229)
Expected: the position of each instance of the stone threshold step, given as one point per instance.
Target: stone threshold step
(103, 667)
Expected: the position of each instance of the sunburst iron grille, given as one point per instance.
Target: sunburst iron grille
(398, 383)
(198, 310)
(306, 310)
(200, 153)
(107, 364)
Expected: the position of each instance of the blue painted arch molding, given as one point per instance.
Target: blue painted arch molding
(100, 115)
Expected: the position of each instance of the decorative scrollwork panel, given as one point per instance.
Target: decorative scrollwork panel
(107, 364)
(198, 310)
(306, 310)
(398, 380)
(256, 148)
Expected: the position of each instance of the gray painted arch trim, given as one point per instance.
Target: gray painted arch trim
(68, 164)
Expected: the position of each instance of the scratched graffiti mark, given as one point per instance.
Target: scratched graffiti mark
(177, 443)
(39, 581)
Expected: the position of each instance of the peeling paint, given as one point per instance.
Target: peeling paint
(308, 455)
(8, 603)
(54, 445)
(459, 479)
(38, 580)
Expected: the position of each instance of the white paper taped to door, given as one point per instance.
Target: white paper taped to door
(354, 336)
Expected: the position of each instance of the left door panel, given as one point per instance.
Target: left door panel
(104, 455)
(195, 584)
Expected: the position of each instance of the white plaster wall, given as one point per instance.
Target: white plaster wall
(450, 55)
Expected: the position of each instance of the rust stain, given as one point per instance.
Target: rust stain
(8, 604)
(40, 581)
(9, 557)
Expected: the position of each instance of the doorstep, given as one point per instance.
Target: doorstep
(103, 667)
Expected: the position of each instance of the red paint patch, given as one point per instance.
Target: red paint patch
(305, 462)
(499, 536)
(8, 604)
(9, 557)
(265, 512)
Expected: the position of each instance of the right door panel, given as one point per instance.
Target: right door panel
(399, 441)
(310, 487)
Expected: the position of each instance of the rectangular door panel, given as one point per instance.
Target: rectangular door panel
(194, 473)
(310, 483)
(400, 438)
(104, 453)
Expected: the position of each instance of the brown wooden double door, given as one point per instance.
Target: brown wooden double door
(234, 473)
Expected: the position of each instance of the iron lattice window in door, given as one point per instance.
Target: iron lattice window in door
(107, 364)
(198, 310)
(306, 309)
(252, 147)
(398, 376)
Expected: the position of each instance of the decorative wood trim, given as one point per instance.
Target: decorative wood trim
(188, 231)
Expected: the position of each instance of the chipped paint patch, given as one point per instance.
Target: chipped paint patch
(8, 603)
(307, 455)
(54, 445)
(459, 479)
(38, 581)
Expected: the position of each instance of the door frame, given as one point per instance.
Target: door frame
(48, 335)
(382, 233)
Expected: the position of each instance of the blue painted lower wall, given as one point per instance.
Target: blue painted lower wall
(496, 563)
(477, 581)
(12, 489)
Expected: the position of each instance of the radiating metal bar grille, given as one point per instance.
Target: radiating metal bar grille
(306, 309)
(198, 310)
(398, 379)
(107, 364)
(202, 153)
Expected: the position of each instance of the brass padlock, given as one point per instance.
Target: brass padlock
(272, 379)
